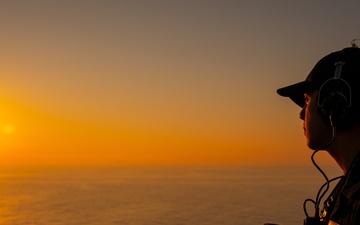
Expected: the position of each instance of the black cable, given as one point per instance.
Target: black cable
(333, 179)
(326, 184)
(311, 200)
(304, 205)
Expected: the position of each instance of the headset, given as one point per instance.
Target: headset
(334, 99)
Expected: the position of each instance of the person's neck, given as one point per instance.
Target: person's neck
(345, 148)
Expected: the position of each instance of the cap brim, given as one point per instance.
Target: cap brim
(296, 91)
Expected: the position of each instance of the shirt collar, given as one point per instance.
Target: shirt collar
(352, 179)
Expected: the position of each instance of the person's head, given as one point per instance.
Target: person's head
(329, 96)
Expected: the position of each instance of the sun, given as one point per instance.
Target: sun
(8, 129)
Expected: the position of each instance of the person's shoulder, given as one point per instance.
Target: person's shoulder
(356, 210)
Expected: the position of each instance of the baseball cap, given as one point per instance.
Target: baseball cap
(324, 70)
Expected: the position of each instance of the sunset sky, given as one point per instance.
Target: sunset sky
(143, 82)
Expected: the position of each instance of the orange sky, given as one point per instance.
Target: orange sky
(113, 83)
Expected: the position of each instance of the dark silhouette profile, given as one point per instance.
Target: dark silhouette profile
(330, 102)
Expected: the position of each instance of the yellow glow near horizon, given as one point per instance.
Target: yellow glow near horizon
(50, 139)
(8, 129)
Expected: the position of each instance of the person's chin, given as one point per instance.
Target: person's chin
(313, 146)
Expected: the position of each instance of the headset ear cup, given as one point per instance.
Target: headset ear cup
(334, 99)
(335, 106)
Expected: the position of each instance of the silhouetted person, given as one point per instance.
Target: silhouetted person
(330, 102)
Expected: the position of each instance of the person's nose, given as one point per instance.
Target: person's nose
(302, 113)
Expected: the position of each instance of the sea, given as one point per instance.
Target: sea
(171, 195)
